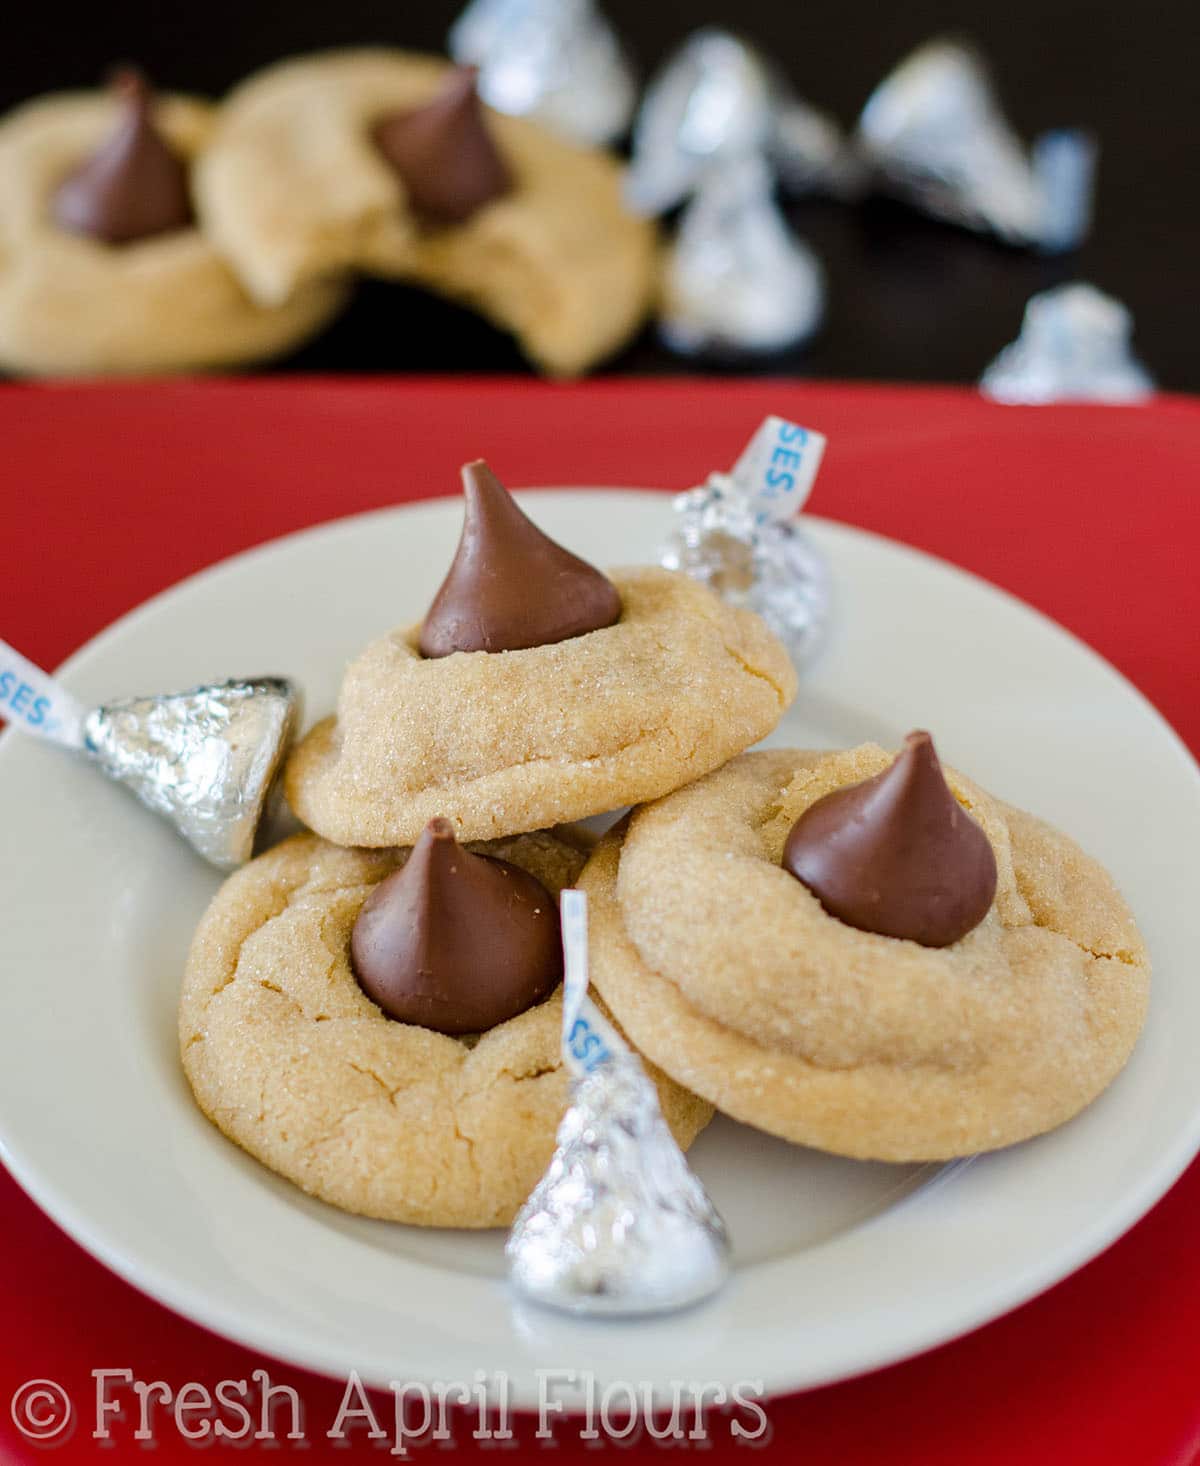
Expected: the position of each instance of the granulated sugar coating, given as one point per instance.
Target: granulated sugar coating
(728, 973)
(501, 742)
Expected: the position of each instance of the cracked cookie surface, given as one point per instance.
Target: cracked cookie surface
(70, 304)
(293, 187)
(289, 1057)
(728, 973)
(500, 742)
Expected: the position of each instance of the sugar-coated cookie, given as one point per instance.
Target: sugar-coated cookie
(289, 1057)
(72, 303)
(296, 185)
(500, 742)
(733, 976)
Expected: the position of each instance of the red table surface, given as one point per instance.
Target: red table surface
(1091, 514)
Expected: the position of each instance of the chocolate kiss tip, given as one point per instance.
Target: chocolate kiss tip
(510, 586)
(134, 186)
(479, 482)
(454, 941)
(460, 86)
(897, 854)
(444, 152)
(131, 85)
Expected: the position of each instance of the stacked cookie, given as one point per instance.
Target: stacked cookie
(143, 234)
(373, 1009)
(852, 950)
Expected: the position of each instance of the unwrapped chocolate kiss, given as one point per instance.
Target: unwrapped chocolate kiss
(444, 153)
(135, 186)
(897, 854)
(454, 941)
(510, 586)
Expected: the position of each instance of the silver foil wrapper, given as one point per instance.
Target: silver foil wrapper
(737, 533)
(933, 133)
(618, 1225)
(556, 60)
(717, 100)
(1074, 346)
(737, 281)
(773, 569)
(205, 759)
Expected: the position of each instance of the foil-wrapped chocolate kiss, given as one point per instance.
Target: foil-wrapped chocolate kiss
(717, 101)
(556, 60)
(1074, 346)
(205, 759)
(738, 534)
(619, 1224)
(737, 282)
(933, 133)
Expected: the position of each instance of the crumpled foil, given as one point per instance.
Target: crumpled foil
(1074, 346)
(618, 1225)
(556, 60)
(205, 759)
(737, 281)
(737, 534)
(717, 99)
(933, 133)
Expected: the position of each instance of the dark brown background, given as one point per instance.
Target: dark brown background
(908, 298)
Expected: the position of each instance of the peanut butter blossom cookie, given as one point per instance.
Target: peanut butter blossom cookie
(387, 162)
(866, 954)
(103, 267)
(536, 690)
(383, 1027)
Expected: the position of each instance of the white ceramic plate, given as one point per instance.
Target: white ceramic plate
(841, 1266)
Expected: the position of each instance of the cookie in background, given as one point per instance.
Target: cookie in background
(104, 268)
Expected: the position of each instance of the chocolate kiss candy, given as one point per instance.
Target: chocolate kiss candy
(444, 152)
(206, 758)
(618, 1224)
(135, 186)
(454, 941)
(510, 586)
(897, 854)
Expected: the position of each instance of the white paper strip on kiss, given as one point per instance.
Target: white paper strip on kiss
(33, 701)
(618, 1225)
(777, 468)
